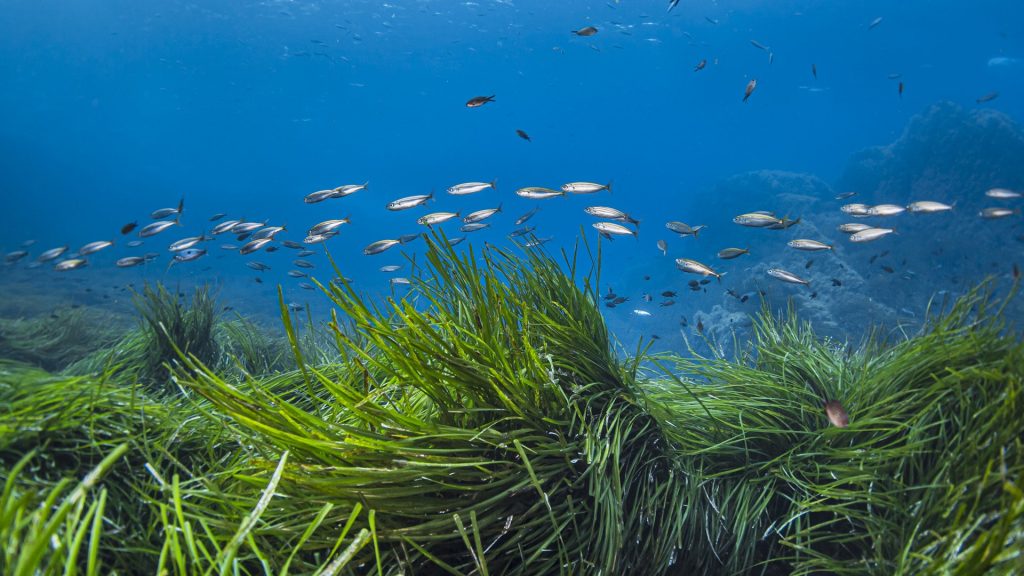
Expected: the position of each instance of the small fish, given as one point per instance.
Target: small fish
(760, 46)
(886, 210)
(92, 247)
(297, 274)
(808, 245)
(887, 269)
(157, 227)
(869, 234)
(694, 267)
(129, 261)
(666, 303)
(814, 71)
(700, 65)
(217, 216)
(585, 31)
(269, 232)
(845, 195)
(347, 189)
(836, 415)
(900, 89)
(13, 257)
(293, 245)
(134, 244)
(410, 202)
(305, 253)
(400, 281)
(987, 97)
(379, 246)
(295, 306)
(475, 226)
(481, 215)
(586, 187)
(782, 224)
(836, 282)
(672, 4)
(700, 326)
(809, 264)
(711, 20)
(258, 266)
(390, 268)
(855, 209)
(187, 256)
(993, 213)
(1002, 194)
(751, 86)
(683, 229)
(613, 229)
(927, 207)
(225, 226)
(669, 294)
(406, 238)
(787, 276)
(51, 254)
(253, 246)
(663, 246)
(306, 286)
(318, 196)
(875, 22)
(303, 264)
(165, 212)
(523, 135)
(436, 218)
(642, 313)
(71, 264)
(756, 220)
(527, 216)
(730, 253)
(127, 228)
(610, 214)
(538, 193)
(327, 226)
(478, 101)
(472, 187)
(228, 247)
(456, 241)
(247, 227)
(185, 243)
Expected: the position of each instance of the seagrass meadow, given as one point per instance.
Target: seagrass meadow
(486, 423)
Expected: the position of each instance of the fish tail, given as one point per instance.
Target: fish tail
(608, 186)
(494, 185)
(499, 206)
(181, 204)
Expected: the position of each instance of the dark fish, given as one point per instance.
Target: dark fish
(808, 265)
(744, 298)
(708, 18)
(478, 101)
(524, 135)
(988, 97)
(836, 414)
(669, 294)
(700, 326)
(751, 86)
(814, 294)
(845, 195)
(1016, 272)
(217, 216)
(585, 31)
(127, 228)
(814, 71)
(901, 89)
(683, 322)
(610, 304)
(700, 65)
(667, 303)
(672, 4)
(888, 269)
(620, 300)
(836, 282)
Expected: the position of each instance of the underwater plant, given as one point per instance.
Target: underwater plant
(54, 341)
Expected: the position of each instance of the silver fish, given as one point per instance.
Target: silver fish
(297, 274)
(244, 227)
(327, 226)
(610, 214)
(410, 202)
(756, 220)
(228, 247)
(852, 227)
(927, 207)
(856, 209)
(157, 227)
(436, 218)
(318, 196)
(886, 210)
(683, 229)
(253, 246)
(663, 246)
(808, 245)
(391, 268)
(304, 253)
(342, 191)
(51, 254)
(400, 281)
(522, 219)
(472, 187)
(188, 255)
(303, 264)
(406, 238)
(225, 226)
(521, 231)
(316, 238)
(538, 242)
(538, 193)
(129, 261)
(613, 229)
(379, 246)
(268, 232)
(185, 243)
(585, 187)
(870, 234)
(134, 244)
(292, 244)
(456, 241)
(12, 257)
(845, 195)
(1002, 194)
(481, 215)
(993, 213)
(92, 247)
(306, 286)
(473, 227)
(694, 267)
(71, 264)
(642, 313)
(787, 276)
(258, 266)
(165, 212)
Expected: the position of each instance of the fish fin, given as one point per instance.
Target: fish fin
(494, 185)
(608, 186)
(499, 206)
(181, 204)
(366, 184)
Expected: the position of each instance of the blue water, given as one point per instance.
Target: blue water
(112, 109)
